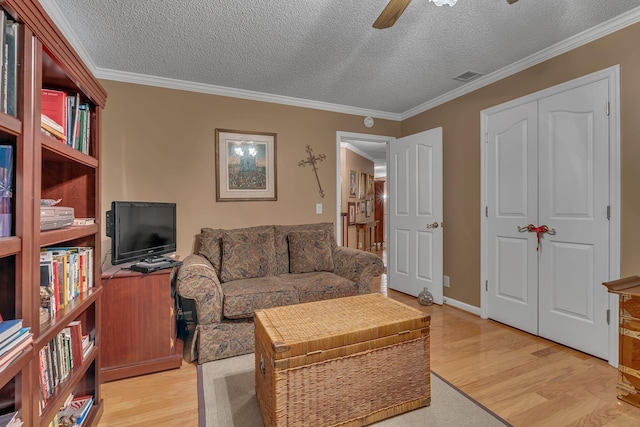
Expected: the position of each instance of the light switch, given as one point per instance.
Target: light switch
(318, 208)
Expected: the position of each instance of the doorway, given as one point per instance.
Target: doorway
(363, 144)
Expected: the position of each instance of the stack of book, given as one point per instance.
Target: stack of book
(64, 117)
(59, 357)
(73, 412)
(66, 272)
(14, 339)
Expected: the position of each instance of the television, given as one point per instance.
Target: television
(141, 230)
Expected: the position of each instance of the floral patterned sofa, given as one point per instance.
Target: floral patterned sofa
(232, 273)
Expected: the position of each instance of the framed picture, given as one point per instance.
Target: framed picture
(362, 185)
(353, 183)
(352, 212)
(245, 166)
(370, 185)
(368, 208)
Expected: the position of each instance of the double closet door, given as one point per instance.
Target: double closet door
(547, 192)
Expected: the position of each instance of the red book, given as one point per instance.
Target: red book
(76, 342)
(54, 105)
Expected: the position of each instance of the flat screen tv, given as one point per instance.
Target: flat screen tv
(140, 230)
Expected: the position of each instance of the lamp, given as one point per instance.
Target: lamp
(442, 2)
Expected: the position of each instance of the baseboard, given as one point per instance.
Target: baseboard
(462, 306)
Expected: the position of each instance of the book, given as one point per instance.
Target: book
(76, 342)
(84, 221)
(7, 358)
(11, 67)
(52, 127)
(14, 340)
(9, 328)
(54, 106)
(11, 419)
(6, 182)
(76, 410)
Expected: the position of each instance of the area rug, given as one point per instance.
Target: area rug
(226, 398)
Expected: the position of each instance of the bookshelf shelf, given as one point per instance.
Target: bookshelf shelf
(10, 246)
(56, 151)
(16, 366)
(66, 387)
(55, 237)
(10, 124)
(62, 318)
(47, 168)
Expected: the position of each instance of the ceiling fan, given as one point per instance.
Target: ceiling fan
(394, 9)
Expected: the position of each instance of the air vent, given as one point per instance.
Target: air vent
(467, 76)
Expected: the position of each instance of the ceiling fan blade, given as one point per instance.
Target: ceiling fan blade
(511, 1)
(391, 13)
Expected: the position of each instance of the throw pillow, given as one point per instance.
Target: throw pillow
(247, 255)
(310, 251)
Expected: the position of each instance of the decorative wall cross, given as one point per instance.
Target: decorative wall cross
(313, 161)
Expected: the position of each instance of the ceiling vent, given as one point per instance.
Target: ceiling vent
(467, 76)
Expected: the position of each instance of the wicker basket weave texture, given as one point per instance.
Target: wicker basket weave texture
(349, 361)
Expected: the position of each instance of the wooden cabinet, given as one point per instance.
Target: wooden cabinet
(139, 334)
(628, 387)
(46, 168)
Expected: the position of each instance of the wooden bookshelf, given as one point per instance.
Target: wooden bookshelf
(47, 168)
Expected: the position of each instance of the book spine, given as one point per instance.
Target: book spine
(6, 183)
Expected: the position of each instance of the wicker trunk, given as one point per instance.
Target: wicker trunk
(349, 361)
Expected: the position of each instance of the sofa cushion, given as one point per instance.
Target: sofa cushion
(319, 285)
(243, 297)
(209, 243)
(282, 241)
(310, 251)
(246, 255)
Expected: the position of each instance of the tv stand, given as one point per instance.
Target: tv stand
(139, 330)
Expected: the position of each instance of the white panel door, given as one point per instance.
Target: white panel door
(512, 174)
(414, 258)
(548, 165)
(574, 195)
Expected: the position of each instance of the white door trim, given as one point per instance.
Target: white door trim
(346, 138)
(612, 74)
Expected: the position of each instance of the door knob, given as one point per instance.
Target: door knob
(434, 225)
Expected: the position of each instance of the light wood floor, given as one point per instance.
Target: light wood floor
(527, 380)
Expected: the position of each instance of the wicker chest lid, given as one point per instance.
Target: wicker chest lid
(318, 326)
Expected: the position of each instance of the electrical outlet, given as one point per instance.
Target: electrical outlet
(445, 281)
(318, 208)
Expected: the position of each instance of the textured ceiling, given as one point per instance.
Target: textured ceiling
(323, 51)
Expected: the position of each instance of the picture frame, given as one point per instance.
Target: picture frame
(362, 185)
(370, 185)
(368, 208)
(245, 166)
(353, 183)
(351, 209)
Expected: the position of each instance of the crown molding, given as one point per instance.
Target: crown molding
(144, 79)
(587, 36)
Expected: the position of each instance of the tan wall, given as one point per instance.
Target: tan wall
(158, 145)
(460, 120)
(352, 161)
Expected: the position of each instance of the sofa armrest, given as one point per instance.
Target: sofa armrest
(359, 266)
(197, 280)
